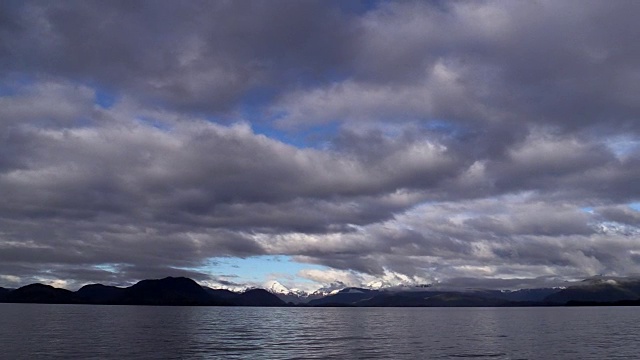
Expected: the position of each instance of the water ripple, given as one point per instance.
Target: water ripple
(32, 331)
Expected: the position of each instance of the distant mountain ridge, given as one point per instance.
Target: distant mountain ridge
(598, 290)
(180, 291)
(167, 291)
(41, 294)
(172, 291)
(98, 293)
(257, 297)
(347, 296)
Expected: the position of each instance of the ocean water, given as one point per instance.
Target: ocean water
(32, 331)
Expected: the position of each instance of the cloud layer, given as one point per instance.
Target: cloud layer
(393, 142)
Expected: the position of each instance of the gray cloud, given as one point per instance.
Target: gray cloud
(452, 140)
(504, 238)
(620, 214)
(196, 56)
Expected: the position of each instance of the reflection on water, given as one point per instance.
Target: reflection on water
(30, 331)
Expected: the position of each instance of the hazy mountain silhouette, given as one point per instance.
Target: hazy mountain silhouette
(392, 300)
(348, 296)
(411, 299)
(430, 297)
(598, 290)
(462, 299)
(522, 295)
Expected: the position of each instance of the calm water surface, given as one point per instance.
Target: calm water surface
(30, 331)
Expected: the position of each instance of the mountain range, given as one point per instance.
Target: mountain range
(183, 291)
(167, 291)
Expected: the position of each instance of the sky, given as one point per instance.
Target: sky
(319, 143)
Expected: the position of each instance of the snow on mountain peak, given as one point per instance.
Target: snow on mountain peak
(275, 287)
(376, 285)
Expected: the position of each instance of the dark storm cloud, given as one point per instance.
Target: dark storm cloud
(456, 140)
(197, 56)
(620, 214)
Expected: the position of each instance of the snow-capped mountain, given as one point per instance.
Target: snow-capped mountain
(298, 296)
(295, 296)
(275, 287)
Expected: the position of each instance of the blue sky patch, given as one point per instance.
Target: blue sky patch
(104, 99)
(258, 268)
